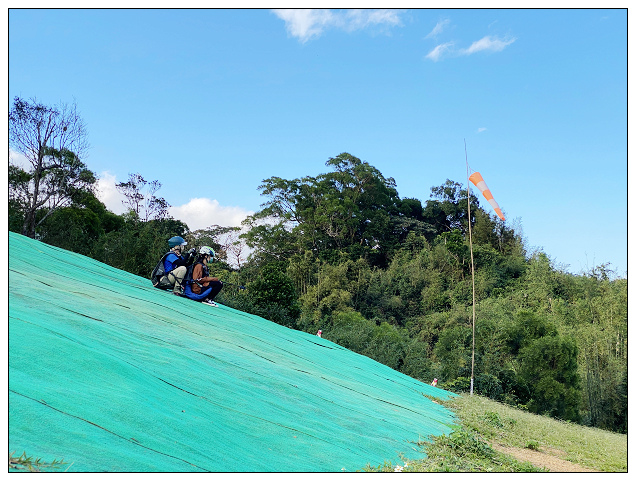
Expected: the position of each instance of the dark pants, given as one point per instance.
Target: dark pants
(208, 292)
(215, 288)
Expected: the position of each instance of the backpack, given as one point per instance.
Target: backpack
(158, 272)
(188, 280)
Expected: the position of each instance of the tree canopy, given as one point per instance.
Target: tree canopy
(385, 276)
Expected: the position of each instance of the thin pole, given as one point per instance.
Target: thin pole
(472, 268)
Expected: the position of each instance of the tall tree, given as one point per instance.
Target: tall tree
(448, 209)
(53, 139)
(353, 210)
(141, 199)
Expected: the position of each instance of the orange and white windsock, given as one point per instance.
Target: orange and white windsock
(478, 180)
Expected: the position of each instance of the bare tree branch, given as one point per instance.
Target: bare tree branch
(53, 139)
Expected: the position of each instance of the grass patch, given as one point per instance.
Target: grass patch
(460, 451)
(499, 423)
(534, 445)
(484, 423)
(31, 464)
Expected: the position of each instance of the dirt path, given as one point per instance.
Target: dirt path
(549, 460)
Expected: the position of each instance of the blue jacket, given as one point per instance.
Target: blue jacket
(172, 261)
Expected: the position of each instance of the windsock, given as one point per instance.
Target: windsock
(478, 180)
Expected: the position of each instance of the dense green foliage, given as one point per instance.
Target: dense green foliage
(390, 278)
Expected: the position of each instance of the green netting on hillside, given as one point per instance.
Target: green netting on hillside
(112, 374)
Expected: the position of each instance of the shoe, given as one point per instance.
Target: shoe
(210, 303)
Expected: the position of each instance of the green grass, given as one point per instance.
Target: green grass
(31, 464)
(462, 450)
(590, 447)
(483, 423)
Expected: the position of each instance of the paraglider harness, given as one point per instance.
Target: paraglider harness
(160, 271)
(188, 280)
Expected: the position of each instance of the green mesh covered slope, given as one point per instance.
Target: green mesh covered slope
(112, 374)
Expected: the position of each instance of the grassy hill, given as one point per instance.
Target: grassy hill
(110, 374)
(494, 437)
(107, 373)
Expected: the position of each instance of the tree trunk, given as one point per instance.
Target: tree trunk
(28, 229)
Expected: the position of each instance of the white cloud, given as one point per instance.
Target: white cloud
(19, 160)
(309, 23)
(481, 129)
(360, 19)
(492, 44)
(305, 24)
(439, 28)
(108, 194)
(438, 51)
(200, 213)
(488, 43)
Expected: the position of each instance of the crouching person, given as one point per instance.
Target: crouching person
(175, 266)
(203, 287)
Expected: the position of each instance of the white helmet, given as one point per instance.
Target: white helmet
(207, 251)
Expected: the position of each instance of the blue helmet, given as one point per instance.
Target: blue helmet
(176, 241)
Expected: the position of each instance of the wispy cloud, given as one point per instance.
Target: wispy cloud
(360, 19)
(439, 28)
(488, 43)
(439, 51)
(481, 129)
(306, 24)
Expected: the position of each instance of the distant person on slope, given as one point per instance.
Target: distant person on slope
(203, 287)
(175, 265)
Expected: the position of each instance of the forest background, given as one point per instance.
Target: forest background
(385, 276)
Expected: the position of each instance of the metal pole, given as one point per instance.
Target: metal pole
(472, 268)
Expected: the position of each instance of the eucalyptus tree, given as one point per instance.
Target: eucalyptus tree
(53, 140)
(139, 197)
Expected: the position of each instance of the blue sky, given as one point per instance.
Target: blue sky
(211, 102)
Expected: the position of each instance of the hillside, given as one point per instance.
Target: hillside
(495, 437)
(548, 443)
(111, 374)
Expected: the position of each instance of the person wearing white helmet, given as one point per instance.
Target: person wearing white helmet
(203, 287)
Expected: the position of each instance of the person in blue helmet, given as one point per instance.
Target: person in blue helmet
(175, 265)
(203, 287)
